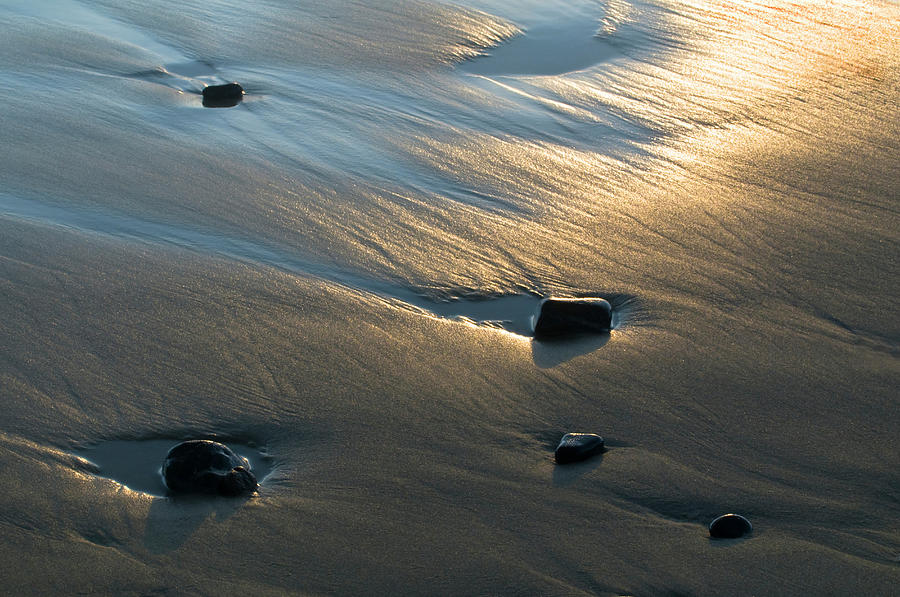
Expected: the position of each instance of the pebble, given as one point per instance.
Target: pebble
(730, 526)
(574, 447)
(222, 96)
(567, 316)
(204, 466)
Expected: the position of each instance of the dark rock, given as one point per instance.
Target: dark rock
(203, 466)
(574, 447)
(565, 317)
(222, 96)
(730, 526)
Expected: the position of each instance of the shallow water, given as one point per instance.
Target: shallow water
(343, 269)
(137, 464)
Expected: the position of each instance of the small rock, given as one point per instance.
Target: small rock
(203, 466)
(222, 96)
(570, 316)
(730, 526)
(574, 447)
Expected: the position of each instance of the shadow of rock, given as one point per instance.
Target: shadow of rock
(720, 543)
(550, 353)
(171, 521)
(567, 474)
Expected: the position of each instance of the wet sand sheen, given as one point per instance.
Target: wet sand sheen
(296, 270)
(514, 313)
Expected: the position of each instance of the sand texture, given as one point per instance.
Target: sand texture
(337, 276)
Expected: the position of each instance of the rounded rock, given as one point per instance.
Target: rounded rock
(730, 526)
(559, 317)
(204, 466)
(222, 96)
(575, 447)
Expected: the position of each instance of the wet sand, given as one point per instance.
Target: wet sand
(305, 274)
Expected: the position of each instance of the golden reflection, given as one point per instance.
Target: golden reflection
(767, 56)
(823, 36)
(729, 62)
(555, 105)
(538, 177)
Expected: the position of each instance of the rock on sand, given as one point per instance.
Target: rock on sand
(559, 317)
(574, 447)
(729, 526)
(203, 466)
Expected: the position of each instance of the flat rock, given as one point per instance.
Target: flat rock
(574, 447)
(204, 466)
(558, 317)
(222, 96)
(730, 526)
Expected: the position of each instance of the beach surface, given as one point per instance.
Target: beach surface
(337, 276)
